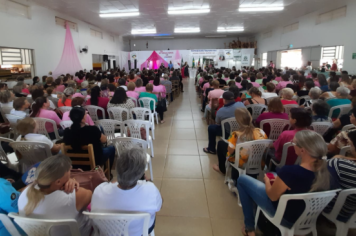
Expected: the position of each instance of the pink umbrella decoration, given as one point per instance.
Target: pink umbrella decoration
(154, 61)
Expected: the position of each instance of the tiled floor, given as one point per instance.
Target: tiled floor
(196, 202)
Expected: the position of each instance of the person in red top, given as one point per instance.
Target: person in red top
(66, 99)
(235, 90)
(287, 95)
(97, 100)
(334, 66)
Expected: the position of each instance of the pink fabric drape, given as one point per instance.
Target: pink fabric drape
(154, 61)
(177, 58)
(69, 62)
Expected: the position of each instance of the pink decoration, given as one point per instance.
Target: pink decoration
(177, 57)
(69, 62)
(154, 61)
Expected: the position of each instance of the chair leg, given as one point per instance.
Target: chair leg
(341, 229)
(227, 167)
(156, 118)
(151, 146)
(151, 172)
(152, 233)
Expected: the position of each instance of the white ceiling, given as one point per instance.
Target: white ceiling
(153, 13)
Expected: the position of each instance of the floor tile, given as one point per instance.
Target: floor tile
(182, 134)
(182, 226)
(160, 146)
(184, 197)
(183, 167)
(183, 115)
(200, 124)
(202, 134)
(208, 172)
(185, 124)
(158, 163)
(226, 227)
(183, 147)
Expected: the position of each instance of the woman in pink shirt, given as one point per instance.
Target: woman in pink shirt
(131, 90)
(139, 87)
(238, 82)
(281, 85)
(97, 100)
(158, 88)
(216, 93)
(278, 77)
(78, 101)
(253, 82)
(39, 109)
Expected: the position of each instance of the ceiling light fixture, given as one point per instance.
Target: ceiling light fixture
(120, 14)
(216, 36)
(186, 30)
(144, 31)
(188, 11)
(252, 9)
(237, 29)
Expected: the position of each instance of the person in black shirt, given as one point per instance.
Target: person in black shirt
(221, 81)
(80, 134)
(309, 83)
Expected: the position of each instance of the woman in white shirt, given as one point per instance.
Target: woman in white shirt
(129, 193)
(54, 195)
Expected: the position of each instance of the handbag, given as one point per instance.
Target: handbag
(89, 179)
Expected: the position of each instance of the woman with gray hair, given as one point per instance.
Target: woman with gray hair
(168, 84)
(342, 94)
(129, 193)
(6, 98)
(287, 95)
(314, 94)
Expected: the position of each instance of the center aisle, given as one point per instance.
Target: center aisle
(196, 202)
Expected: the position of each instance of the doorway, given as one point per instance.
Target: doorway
(291, 58)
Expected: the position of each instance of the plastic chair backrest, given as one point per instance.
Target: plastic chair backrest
(257, 109)
(134, 127)
(31, 152)
(314, 205)
(125, 143)
(34, 226)
(9, 226)
(134, 101)
(288, 107)
(109, 127)
(348, 127)
(107, 223)
(321, 127)
(257, 151)
(3, 156)
(118, 113)
(64, 109)
(277, 126)
(344, 150)
(66, 124)
(141, 113)
(340, 203)
(305, 98)
(13, 119)
(93, 112)
(232, 125)
(41, 126)
(344, 109)
(286, 146)
(146, 102)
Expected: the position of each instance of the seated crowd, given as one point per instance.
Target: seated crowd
(287, 96)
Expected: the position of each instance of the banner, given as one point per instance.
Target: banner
(133, 55)
(228, 54)
(245, 60)
(204, 52)
(167, 55)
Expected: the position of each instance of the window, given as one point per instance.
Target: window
(264, 59)
(15, 8)
(62, 22)
(96, 34)
(331, 15)
(10, 56)
(328, 54)
(290, 28)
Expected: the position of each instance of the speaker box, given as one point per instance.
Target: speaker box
(105, 57)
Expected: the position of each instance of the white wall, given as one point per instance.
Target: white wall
(339, 32)
(47, 39)
(181, 43)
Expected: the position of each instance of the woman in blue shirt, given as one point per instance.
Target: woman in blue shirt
(311, 175)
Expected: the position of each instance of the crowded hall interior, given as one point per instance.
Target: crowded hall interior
(177, 118)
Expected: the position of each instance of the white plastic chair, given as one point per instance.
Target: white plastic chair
(288, 107)
(277, 126)
(348, 127)
(93, 112)
(31, 152)
(270, 98)
(134, 100)
(41, 127)
(125, 143)
(344, 150)
(142, 113)
(13, 123)
(109, 127)
(146, 104)
(117, 113)
(65, 109)
(66, 124)
(34, 226)
(341, 227)
(4, 111)
(344, 109)
(135, 131)
(257, 109)
(10, 160)
(118, 223)
(306, 223)
(283, 161)
(257, 151)
(306, 98)
(9, 226)
(233, 125)
(321, 127)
